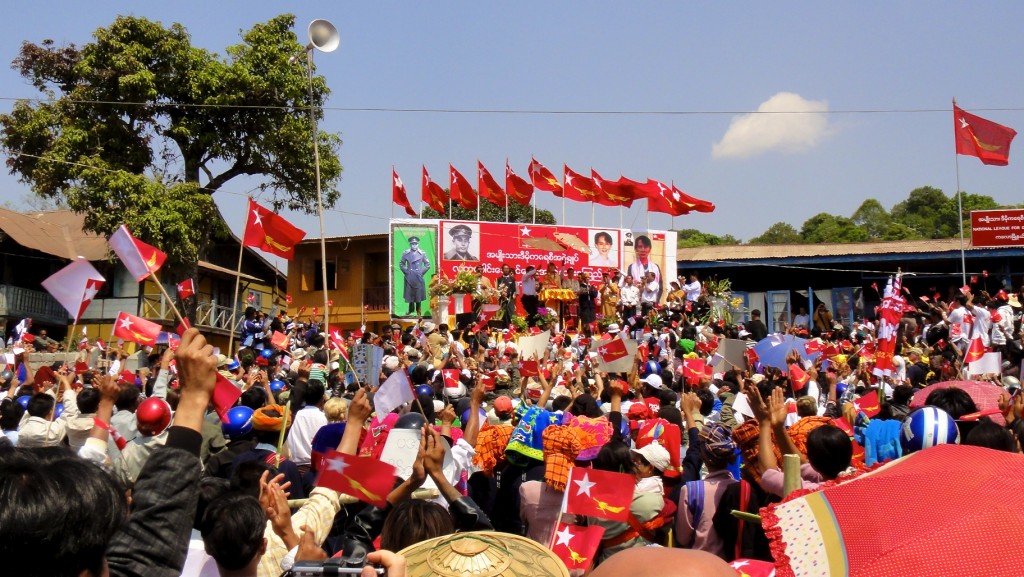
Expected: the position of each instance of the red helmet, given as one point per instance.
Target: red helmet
(153, 415)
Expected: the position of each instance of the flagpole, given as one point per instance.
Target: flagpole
(238, 281)
(534, 207)
(620, 216)
(174, 308)
(319, 193)
(592, 203)
(960, 214)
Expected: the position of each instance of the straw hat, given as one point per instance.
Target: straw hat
(482, 554)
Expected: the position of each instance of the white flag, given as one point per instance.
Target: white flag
(395, 391)
(74, 286)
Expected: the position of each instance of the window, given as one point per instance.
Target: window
(317, 275)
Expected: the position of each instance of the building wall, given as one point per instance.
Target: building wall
(357, 283)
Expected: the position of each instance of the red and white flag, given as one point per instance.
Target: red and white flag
(868, 404)
(578, 187)
(543, 179)
(975, 136)
(576, 546)
(398, 193)
(432, 194)
(225, 395)
(186, 288)
(136, 329)
(529, 369)
(74, 286)
(798, 377)
(487, 312)
(612, 351)
(462, 193)
(888, 324)
(364, 478)
(138, 257)
(488, 187)
(596, 493)
(975, 352)
(270, 232)
(516, 187)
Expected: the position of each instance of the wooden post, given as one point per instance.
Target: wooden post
(791, 474)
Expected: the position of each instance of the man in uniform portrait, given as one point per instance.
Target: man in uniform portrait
(414, 266)
(461, 237)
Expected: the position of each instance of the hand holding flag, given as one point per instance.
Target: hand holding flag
(596, 493)
(364, 478)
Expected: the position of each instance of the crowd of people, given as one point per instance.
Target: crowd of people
(135, 472)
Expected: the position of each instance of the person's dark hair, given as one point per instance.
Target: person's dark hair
(707, 401)
(902, 394)
(88, 400)
(755, 314)
(253, 398)
(561, 402)
(209, 489)
(585, 405)
(314, 392)
(425, 407)
(320, 357)
(829, 451)
(419, 375)
(245, 478)
(56, 536)
(614, 457)
(10, 414)
(642, 240)
(988, 433)
(128, 399)
(603, 236)
(673, 415)
(953, 400)
(413, 521)
(40, 405)
(233, 530)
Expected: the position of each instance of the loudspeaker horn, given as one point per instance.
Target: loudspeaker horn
(323, 35)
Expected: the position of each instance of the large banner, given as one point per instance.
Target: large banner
(464, 245)
(1002, 227)
(413, 263)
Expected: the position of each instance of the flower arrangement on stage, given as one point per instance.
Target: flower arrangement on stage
(546, 317)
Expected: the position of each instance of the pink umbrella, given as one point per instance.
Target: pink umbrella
(985, 394)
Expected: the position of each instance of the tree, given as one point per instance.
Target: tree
(920, 212)
(872, 217)
(778, 233)
(824, 227)
(490, 212)
(140, 127)
(691, 237)
(948, 226)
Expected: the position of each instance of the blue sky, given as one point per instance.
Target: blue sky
(694, 67)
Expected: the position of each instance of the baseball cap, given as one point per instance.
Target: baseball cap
(655, 454)
(503, 404)
(653, 380)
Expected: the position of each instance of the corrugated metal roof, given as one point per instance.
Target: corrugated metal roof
(372, 235)
(57, 232)
(763, 251)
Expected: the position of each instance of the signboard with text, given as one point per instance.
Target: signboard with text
(1002, 227)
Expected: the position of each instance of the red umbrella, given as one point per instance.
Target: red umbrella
(985, 394)
(947, 510)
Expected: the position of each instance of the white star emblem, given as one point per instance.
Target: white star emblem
(738, 564)
(521, 365)
(90, 292)
(568, 179)
(256, 217)
(584, 485)
(963, 122)
(336, 335)
(534, 169)
(336, 465)
(598, 181)
(564, 537)
(126, 323)
(525, 231)
(398, 182)
(602, 351)
(675, 195)
(455, 177)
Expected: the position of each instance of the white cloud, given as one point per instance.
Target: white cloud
(770, 128)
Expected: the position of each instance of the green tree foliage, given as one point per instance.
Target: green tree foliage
(873, 218)
(778, 233)
(824, 227)
(490, 212)
(142, 128)
(691, 237)
(947, 218)
(920, 212)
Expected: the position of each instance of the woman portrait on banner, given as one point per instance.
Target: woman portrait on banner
(643, 264)
(602, 255)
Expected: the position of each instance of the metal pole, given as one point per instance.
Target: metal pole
(319, 195)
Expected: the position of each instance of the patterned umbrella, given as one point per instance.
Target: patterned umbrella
(948, 510)
(985, 395)
(772, 351)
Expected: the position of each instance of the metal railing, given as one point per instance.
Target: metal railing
(208, 314)
(39, 305)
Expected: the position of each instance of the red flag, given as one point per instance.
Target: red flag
(813, 346)
(279, 340)
(225, 395)
(659, 199)
(488, 380)
(432, 193)
(183, 326)
(529, 369)
(975, 136)
(462, 192)
(334, 333)
(270, 232)
(516, 187)
(136, 329)
(186, 288)
(868, 404)
(843, 424)
(578, 187)
(542, 178)
(398, 194)
(596, 493)
(364, 478)
(74, 286)
(138, 257)
(693, 369)
(798, 377)
(613, 350)
(975, 352)
(576, 546)
(488, 187)
(487, 312)
(752, 357)
(288, 299)
(688, 203)
(611, 193)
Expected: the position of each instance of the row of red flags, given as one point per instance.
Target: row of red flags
(575, 186)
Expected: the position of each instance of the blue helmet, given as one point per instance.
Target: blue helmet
(59, 410)
(841, 388)
(651, 367)
(23, 401)
(237, 422)
(277, 385)
(266, 353)
(927, 427)
(425, 390)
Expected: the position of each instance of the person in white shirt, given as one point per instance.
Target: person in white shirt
(649, 295)
(528, 292)
(306, 423)
(629, 298)
(801, 320)
(692, 289)
(1002, 319)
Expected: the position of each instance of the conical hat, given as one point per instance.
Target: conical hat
(482, 554)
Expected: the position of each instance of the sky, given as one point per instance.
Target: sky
(662, 90)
